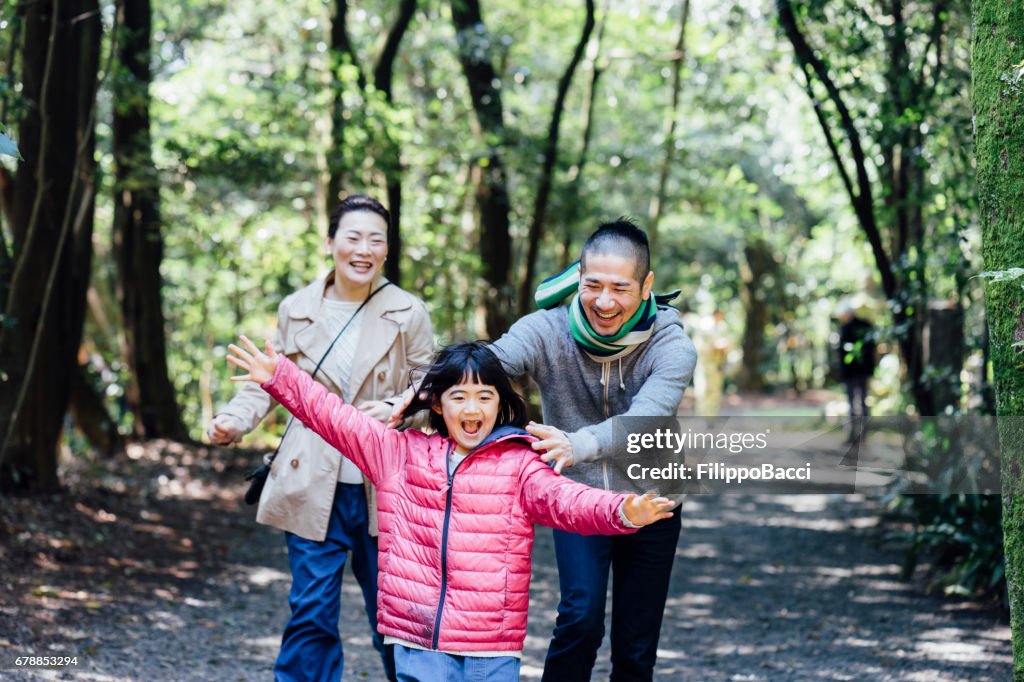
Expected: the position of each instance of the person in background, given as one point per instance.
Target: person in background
(856, 364)
(713, 350)
(366, 334)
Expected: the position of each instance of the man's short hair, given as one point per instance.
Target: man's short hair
(621, 238)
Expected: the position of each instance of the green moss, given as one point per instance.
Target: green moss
(998, 51)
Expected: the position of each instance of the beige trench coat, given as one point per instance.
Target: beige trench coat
(394, 337)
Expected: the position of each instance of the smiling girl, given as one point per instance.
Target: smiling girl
(456, 508)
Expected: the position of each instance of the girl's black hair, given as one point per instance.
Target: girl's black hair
(461, 362)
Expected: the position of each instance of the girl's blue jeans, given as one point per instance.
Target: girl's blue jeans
(415, 665)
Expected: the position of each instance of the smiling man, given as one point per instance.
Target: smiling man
(610, 352)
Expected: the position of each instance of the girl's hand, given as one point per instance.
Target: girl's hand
(260, 366)
(643, 510)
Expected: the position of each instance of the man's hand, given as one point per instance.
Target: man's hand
(260, 367)
(378, 409)
(223, 430)
(555, 444)
(643, 510)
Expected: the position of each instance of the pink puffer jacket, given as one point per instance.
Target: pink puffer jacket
(454, 550)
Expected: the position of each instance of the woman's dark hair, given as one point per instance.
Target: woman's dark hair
(461, 362)
(352, 203)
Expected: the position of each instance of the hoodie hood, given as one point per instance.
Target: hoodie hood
(503, 433)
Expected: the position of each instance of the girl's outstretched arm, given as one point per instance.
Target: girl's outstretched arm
(377, 452)
(555, 501)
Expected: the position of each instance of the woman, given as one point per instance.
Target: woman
(321, 501)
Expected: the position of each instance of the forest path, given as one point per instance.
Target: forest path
(151, 568)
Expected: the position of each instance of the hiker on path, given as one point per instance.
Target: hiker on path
(857, 351)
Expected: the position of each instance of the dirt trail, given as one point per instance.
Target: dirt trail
(155, 570)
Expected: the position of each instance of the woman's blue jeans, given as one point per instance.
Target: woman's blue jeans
(311, 645)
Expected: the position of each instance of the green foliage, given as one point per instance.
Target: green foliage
(241, 122)
(962, 536)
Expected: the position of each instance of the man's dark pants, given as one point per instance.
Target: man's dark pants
(641, 565)
(856, 398)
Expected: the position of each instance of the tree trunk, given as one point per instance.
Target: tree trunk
(489, 178)
(137, 241)
(943, 343)
(758, 263)
(52, 237)
(339, 160)
(574, 210)
(89, 414)
(669, 145)
(341, 53)
(382, 75)
(550, 155)
(999, 135)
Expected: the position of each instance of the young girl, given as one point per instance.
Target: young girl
(456, 508)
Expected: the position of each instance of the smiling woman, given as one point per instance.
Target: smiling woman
(359, 336)
(357, 241)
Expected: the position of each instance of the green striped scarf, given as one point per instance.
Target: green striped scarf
(636, 330)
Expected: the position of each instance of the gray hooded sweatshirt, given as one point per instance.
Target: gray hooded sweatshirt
(580, 395)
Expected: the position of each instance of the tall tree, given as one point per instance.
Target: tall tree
(382, 77)
(389, 158)
(549, 156)
(490, 180)
(138, 243)
(895, 227)
(998, 94)
(574, 208)
(657, 206)
(342, 55)
(44, 308)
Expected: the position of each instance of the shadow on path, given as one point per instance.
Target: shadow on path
(150, 568)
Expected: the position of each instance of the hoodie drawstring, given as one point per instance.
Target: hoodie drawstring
(606, 375)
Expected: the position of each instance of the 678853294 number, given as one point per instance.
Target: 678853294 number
(45, 661)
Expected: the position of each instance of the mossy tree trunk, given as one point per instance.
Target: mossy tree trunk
(998, 92)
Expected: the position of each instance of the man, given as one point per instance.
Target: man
(856, 365)
(610, 353)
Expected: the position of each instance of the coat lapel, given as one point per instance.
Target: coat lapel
(376, 336)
